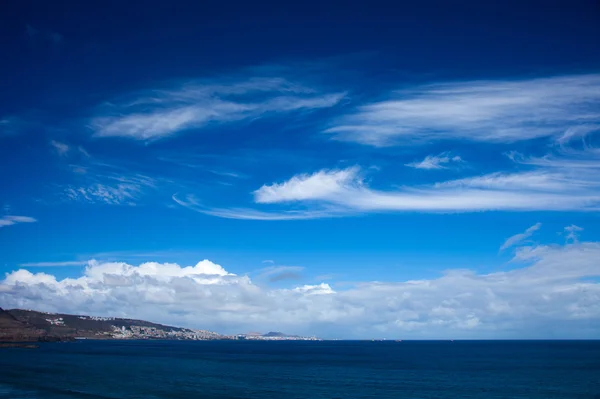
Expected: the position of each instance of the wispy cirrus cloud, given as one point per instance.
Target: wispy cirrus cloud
(155, 114)
(9, 220)
(441, 161)
(572, 233)
(10, 125)
(486, 111)
(567, 179)
(278, 273)
(519, 238)
(60, 148)
(343, 192)
(497, 191)
(118, 194)
(98, 182)
(54, 264)
(191, 202)
(576, 161)
(112, 189)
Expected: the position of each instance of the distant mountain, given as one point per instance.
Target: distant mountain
(277, 334)
(28, 325)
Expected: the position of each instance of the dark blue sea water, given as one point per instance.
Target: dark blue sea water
(341, 369)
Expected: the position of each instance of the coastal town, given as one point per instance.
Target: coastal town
(274, 336)
(138, 332)
(31, 325)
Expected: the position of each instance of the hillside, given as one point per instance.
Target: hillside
(13, 330)
(17, 323)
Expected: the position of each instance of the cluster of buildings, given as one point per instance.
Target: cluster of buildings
(56, 322)
(96, 318)
(275, 338)
(139, 332)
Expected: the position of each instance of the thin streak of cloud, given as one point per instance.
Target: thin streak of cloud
(54, 264)
(519, 238)
(193, 204)
(280, 273)
(441, 161)
(84, 152)
(9, 220)
(61, 148)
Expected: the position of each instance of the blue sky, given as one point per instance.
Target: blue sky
(356, 171)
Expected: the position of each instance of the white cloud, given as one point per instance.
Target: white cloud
(110, 188)
(441, 161)
(550, 286)
(160, 113)
(571, 232)
(84, 152)
(118, 194)
(54, 264)
(330, 193)
(192, 203)
(9, 220)
(540, 181)
(322, 184)
(319, 289)
(486, 111)
(280, 273)
(519, 238)
(573, 161)
(60, 148)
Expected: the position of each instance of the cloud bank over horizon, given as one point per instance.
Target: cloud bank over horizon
(543, 286)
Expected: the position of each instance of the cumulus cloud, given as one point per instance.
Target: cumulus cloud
(441, 161)
(519, 238)
(9, 220)
(319, 185)
(550, 286)
(155, 114)
(485, 111)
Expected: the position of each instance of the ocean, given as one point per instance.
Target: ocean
(298, 369)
